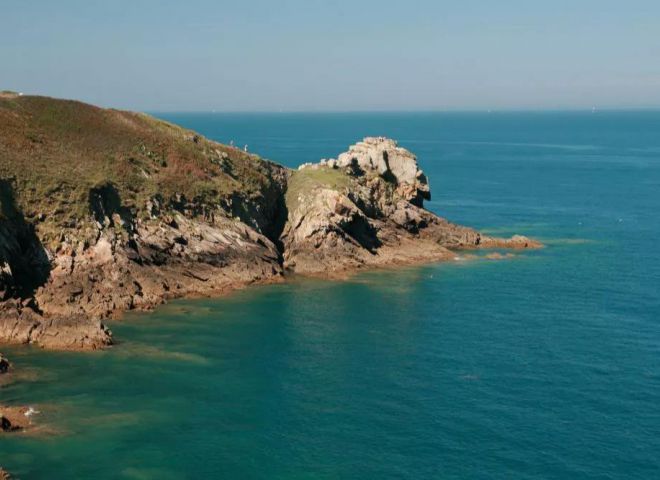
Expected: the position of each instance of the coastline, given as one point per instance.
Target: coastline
(81, 339)
(175, 215)
(121, 249)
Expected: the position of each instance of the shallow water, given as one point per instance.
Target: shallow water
(542, 366)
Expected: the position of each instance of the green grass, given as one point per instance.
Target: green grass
(54, 152)
(304, 181)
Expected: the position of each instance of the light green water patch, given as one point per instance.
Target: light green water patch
(514, 228)
(130, 350)
(569, 241)
(137, 473)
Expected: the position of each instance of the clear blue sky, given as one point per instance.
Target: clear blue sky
(334, 55)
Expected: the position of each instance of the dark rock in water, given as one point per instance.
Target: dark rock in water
(4, 364)
(5, 424)
(14, 418)
(4, 475)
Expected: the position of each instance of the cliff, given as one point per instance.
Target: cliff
(103, 211)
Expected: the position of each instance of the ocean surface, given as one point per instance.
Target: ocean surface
(543, 366)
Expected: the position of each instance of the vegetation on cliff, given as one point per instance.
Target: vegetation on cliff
(55, 155)
(103, 211)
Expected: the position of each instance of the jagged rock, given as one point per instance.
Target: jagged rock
(4, 475)
(73, 331)
(369, 213)
(97, 280)
(384, 156)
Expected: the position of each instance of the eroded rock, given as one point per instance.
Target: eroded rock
(365, 209)
(391, 162)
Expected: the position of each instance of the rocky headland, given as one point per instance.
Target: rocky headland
(103, 211)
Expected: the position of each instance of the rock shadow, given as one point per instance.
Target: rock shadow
(20, 250)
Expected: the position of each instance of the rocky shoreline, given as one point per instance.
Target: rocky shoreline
(98, 255)
(197, 218)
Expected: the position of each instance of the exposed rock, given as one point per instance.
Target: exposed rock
(14, 418)
(4, 475)
(162, 259)
(518, 242)
(384, 156)
(369, 213)
(74, 331)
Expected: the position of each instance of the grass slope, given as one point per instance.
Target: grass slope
(304, 181)
(53, 152)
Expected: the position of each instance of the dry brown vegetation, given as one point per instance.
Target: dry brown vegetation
(53, 152)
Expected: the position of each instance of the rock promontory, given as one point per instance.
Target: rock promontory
(366, 209)
(103, 211)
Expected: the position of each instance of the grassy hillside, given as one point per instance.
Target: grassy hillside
(53, 153)
(304, 181)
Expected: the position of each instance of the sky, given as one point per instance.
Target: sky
(334, 55)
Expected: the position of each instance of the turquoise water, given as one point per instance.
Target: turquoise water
(545, 366)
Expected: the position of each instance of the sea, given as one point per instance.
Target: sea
(541, 366)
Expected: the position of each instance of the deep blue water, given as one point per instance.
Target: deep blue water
(544, 366)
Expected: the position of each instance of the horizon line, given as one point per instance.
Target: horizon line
(422, 110)
(592, 110)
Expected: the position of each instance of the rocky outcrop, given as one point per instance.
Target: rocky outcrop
(21, 324)
(398, 165)
(13, 419)
(160, 213)
(366, 209)
(126, 264)
(4, 475)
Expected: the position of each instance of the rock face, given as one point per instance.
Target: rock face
(366, 209)
(383, 156)
(95, 278)
(103, 211)
(135, 211)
